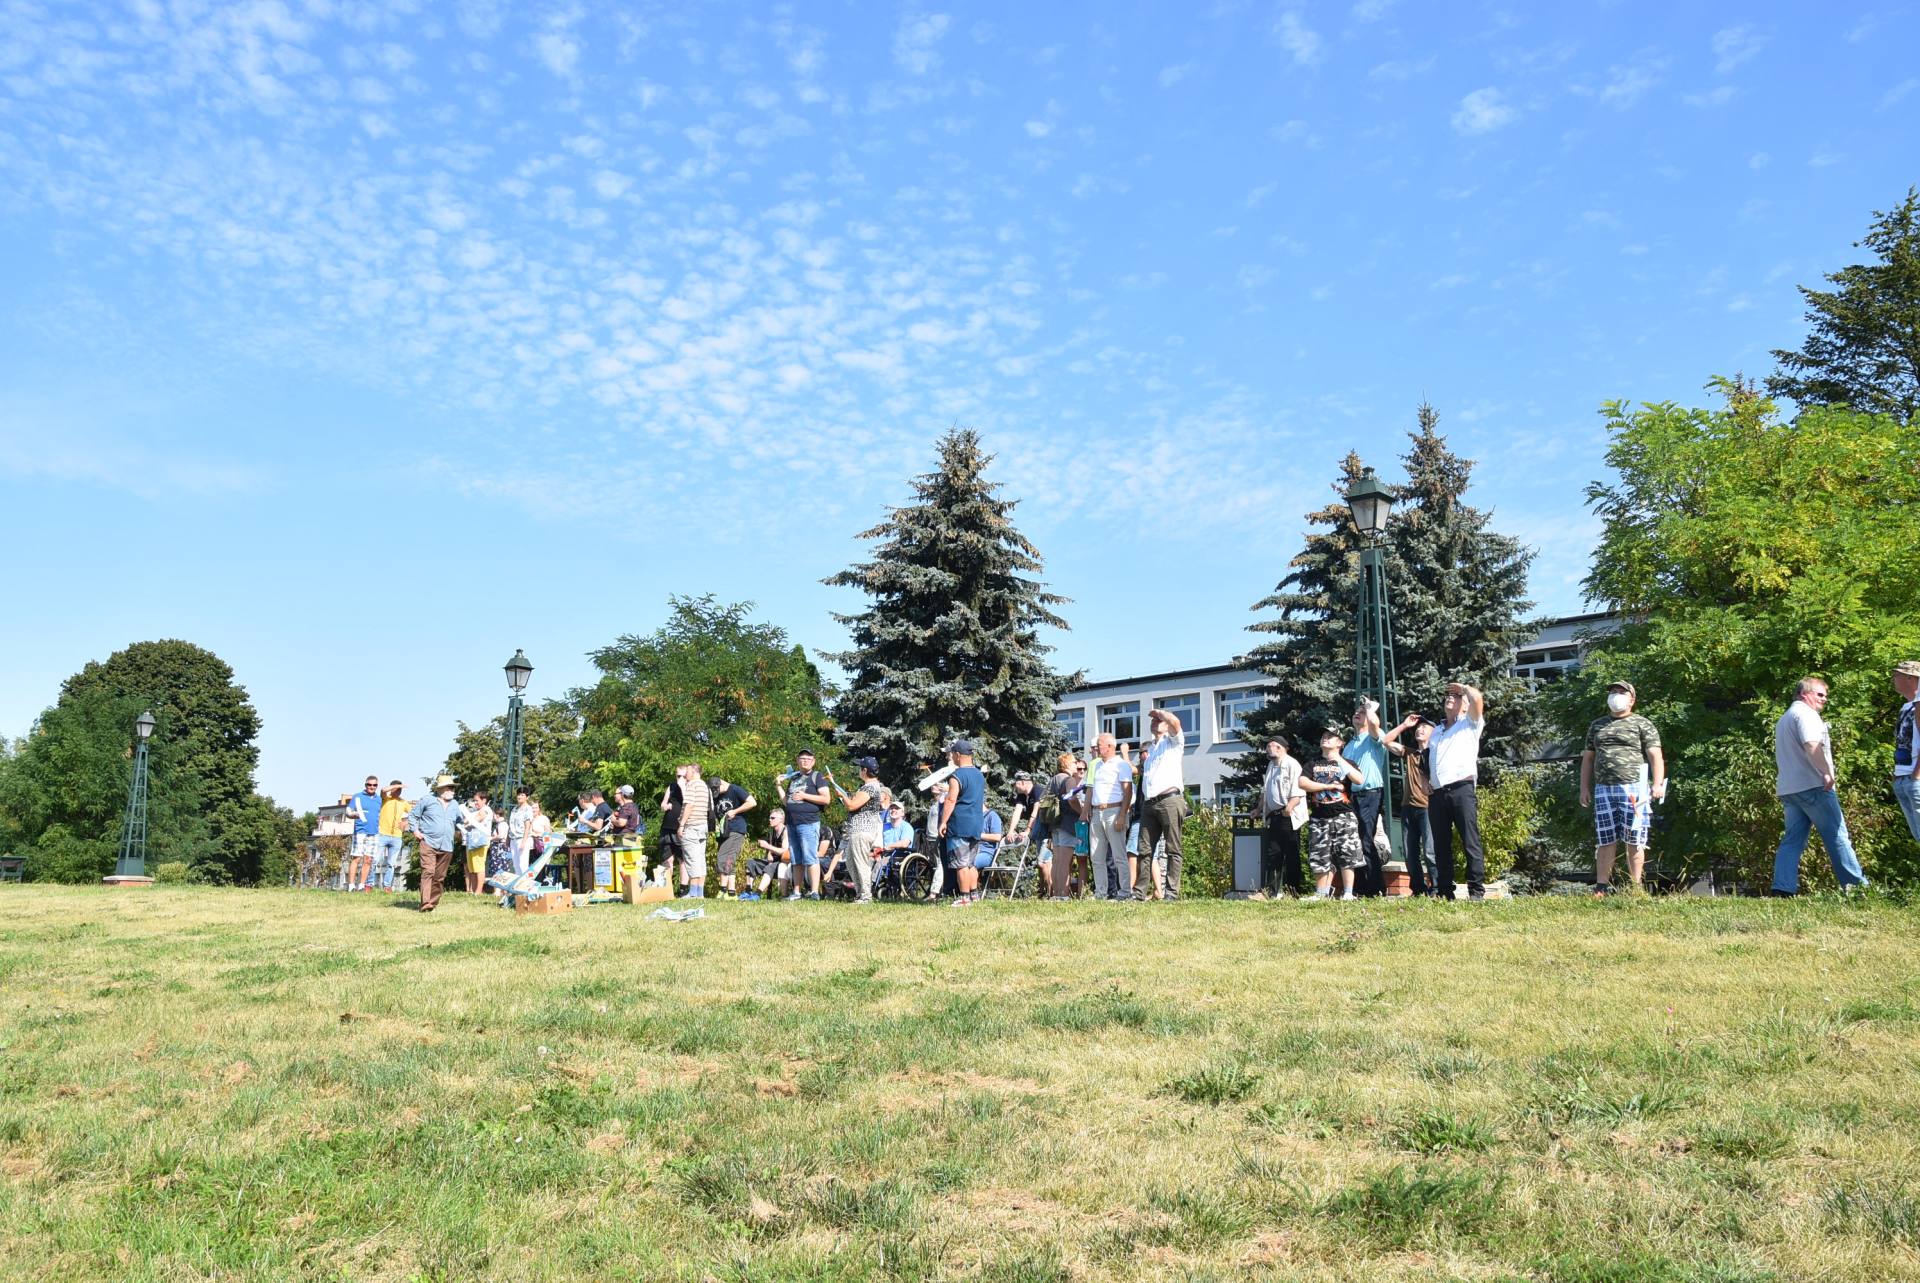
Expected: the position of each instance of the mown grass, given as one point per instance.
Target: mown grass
(202, 1084)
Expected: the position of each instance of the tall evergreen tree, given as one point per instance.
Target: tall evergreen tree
(1456, 591)
(1459, 594)
(1310, 654)
(950, 644)
(1864, 348)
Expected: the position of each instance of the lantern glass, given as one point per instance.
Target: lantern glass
(143, 725)
(1370, 503)
(518, 672)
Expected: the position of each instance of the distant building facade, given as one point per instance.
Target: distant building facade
(1213, 703)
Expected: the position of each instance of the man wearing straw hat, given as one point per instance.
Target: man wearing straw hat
(435, 820)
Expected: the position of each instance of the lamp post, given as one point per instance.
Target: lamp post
(1374, 677)
(519, 671)
(131, 869)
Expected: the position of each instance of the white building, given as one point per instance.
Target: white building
(1212, 702)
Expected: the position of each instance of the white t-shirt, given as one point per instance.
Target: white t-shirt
(1797, 727)
(1161, 771)
(1453, 753)
(1106, 779)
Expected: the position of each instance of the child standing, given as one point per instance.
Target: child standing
(1334, 840)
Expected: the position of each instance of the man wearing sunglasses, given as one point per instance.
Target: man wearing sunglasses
(364, 807)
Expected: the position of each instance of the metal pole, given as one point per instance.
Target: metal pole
(1375, 672)
(133, 828)
(511, 767)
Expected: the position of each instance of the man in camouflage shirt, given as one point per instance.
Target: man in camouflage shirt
(1622, 774)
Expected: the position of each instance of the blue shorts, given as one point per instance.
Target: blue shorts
(963, 853)
(1621, 813)
(804, 841)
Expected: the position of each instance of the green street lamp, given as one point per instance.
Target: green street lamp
(519, 672)
(1371, 503)
(131, 869)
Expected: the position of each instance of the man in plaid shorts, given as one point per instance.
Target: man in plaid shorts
(1333, 835)
(364, 807)
(1622, 774)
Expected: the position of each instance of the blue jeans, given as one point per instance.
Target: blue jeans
(1806, 811)
(388, 856)
(1416, 848)
(805, 841)
(1906, 791)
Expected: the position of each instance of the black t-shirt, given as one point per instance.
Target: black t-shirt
(805, 812)
(724, 802)
(676, 803)
(1321, 771)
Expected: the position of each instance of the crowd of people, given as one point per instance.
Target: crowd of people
(1109, 825)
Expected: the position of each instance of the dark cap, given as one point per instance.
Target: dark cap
(871, 764)
(806, 752)
(1623, 686)
(1023, 775)
(962, 747)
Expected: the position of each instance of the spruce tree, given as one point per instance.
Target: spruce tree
(1456, 591)
(1459, 594)
(1310, 656)
(949, 646)
(1864, 347)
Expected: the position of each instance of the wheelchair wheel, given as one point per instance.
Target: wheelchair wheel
(919, 877)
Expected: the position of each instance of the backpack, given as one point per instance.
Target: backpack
(1047, 809)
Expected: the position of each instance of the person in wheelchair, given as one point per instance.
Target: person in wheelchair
(896, 839)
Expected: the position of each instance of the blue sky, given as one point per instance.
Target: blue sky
(364, 342)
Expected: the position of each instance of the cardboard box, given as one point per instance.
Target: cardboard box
(637, 893)
(551, 903)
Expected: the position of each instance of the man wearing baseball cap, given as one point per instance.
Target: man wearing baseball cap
(962, 819)
(1622, 774)
(1906, 681)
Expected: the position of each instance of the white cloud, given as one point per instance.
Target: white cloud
(1718, 96)
(1826, 159)
(1301, 42)
(1401, 69)
(1038, 128)
(1171, 76)
(916, 41)
(1735, 45)
(1483, 111)
(559, 51)
(1898, 92)
(1628, 83)
(1759, 160)
(1371, 10)
(1258, 195)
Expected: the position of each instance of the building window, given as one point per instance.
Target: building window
(1234, 705)
(1073, 726)
(1237, 798)
(1122, 721)
(1187, 709)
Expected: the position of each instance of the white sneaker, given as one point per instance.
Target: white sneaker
(1323, 894)
(794, 896)
(1348, 895)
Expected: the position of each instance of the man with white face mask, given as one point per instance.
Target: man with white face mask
(1622, 774)
(435, 821)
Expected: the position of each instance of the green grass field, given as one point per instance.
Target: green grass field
(200, 1084)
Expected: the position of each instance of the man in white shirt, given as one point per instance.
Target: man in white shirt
(1803, 780)
(1906, 746)
(1163, 784)
(1453, 757)
(1109, 798)
(1283, 805)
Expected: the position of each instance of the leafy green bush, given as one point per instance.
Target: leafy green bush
(171, 871)
(1206, 844)
(1508, 815)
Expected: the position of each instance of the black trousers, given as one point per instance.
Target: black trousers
(1366, 809)
(1457, 807)
(1280, 857)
